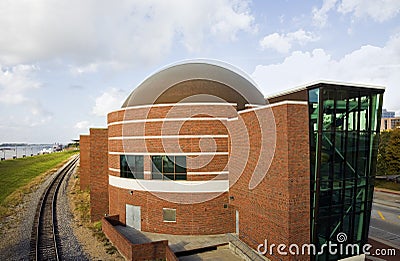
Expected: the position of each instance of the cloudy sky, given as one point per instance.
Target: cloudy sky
(66, 63)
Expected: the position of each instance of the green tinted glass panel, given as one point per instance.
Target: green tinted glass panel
(157, 164)
(169, 176)
(168, 164)
(131, 166)
(123, 165)
(180, 177)
(343, 147)
(156, 176)
(180, 164)
(169, 167)
(139, 173)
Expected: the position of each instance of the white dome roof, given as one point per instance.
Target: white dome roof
(204, 80)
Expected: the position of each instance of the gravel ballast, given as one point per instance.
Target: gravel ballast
(71, 249)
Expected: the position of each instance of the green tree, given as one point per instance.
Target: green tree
(381, 166)
(392, 156)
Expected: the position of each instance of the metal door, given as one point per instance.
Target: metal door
(133, 216)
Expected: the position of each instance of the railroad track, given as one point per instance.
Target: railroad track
(44, 238)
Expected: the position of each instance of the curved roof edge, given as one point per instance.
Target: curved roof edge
(328, 82)
(156, 84)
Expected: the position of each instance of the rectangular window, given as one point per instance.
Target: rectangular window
(169, 167)
(169, 215)
(131, 166)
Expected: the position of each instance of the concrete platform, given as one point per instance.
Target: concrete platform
(222, 253)
(178, 243)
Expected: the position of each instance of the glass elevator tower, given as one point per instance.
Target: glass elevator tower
(344, 136)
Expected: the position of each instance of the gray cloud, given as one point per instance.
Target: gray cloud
(95, 32)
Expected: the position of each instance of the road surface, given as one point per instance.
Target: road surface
(385, 218)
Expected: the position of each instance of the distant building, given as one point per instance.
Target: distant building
(390, 123)
(387, 114)
(196, 149)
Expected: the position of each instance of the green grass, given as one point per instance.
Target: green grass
(387, 185)
(15, 174)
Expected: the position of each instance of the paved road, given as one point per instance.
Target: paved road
(385, 218)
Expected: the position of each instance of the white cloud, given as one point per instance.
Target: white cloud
(369, 65)
(30, 113)
(109, 101)
(16, 97)
(229, 19)
(39, 115)
(320, 15)
(88, 68)
(15, 82)
(283, 42)
(82, 125)
(378, 10)
(277, 42)
(128, 32)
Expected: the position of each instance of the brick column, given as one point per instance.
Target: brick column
(84, 168)
(98, 173)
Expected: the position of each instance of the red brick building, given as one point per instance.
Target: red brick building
(196, 149)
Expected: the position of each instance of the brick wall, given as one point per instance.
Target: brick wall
(170, 145)
(84, 168)
(120, 242)
(180, 111)
(120, 126)
(208, 217)
(98, 173)
(158, 250)
(277, 209)
(299, 174)
(187, 127)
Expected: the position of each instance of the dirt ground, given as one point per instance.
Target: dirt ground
(93, 241)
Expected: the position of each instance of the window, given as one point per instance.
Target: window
(169, 167)
(131, 166)
(169, 215)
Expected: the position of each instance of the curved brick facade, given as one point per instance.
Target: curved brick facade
(196, 130)
(210, 217)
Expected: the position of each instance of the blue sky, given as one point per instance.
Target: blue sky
(65, 64)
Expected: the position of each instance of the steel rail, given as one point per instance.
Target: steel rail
(44, 237)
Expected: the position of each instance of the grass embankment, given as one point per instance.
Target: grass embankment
(387, 185)
(19, 176)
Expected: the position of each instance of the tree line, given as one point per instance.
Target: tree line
(389, 153)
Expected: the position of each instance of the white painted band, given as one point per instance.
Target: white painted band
(188, 173)
(274, 105)
(178, 104)
(208, 173)
(169, 119)
(168, 153)
(169, 137)
(208, 186)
